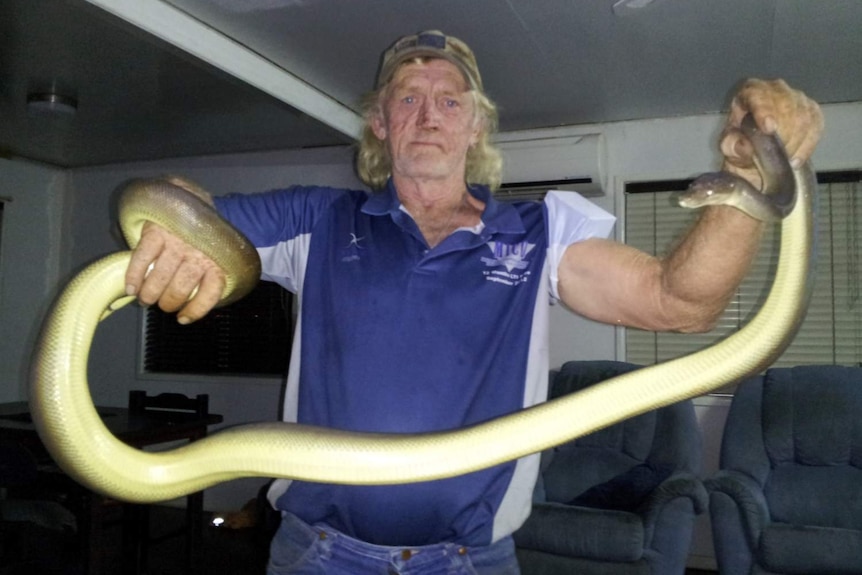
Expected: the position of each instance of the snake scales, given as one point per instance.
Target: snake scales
(78, 440)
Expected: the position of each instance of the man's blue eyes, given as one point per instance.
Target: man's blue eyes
(448, 103)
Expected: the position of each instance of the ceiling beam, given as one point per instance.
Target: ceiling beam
(196, 38)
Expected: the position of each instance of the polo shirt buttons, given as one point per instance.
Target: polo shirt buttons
(462, 551)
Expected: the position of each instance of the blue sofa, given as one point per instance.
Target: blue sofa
(621, 500)
(788, 495)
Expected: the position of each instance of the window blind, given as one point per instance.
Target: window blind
(830, 333)
(250, 337)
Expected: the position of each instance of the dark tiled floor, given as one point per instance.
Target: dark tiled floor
(225, 551)
(27, 549)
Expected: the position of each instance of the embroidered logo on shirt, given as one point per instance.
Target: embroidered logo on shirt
(353, 245)
(513, 257)
(354, 241)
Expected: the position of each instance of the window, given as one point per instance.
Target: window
(251, 337)
(832, 330)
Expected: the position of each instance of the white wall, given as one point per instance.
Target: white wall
(35, 254)
(30, 254)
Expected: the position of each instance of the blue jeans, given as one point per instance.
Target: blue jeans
(300, 549)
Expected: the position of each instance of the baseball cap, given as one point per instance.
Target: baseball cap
(431, 44)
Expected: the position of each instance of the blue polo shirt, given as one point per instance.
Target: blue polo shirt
(395, 337)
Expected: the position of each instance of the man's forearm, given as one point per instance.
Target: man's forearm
(704, 270)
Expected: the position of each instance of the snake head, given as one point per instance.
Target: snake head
(769, 204)
(710, 189)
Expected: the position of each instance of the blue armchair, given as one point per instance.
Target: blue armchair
(621, 500)
(788, 495)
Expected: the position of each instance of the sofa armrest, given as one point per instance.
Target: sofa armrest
(748, 495)
(680, 485)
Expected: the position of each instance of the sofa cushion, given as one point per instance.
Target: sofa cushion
(626, 491)
(811, 415)
(594, 466)
(800, 550)
(582, 532)
(632, 437)
(825, 496)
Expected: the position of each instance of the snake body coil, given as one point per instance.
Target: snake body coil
(78, 440)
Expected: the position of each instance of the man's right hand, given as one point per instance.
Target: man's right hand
(166, 270)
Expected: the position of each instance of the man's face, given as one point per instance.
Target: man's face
(428, 121)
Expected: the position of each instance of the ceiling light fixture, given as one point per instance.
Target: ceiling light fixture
(52, 103)
(628, 7)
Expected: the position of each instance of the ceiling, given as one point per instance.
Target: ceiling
(156, 79)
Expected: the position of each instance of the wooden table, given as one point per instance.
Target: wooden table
(137, 430)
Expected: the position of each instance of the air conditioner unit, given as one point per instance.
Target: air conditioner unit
(532, 166)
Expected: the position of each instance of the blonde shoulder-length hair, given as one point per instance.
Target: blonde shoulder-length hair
(484, 162)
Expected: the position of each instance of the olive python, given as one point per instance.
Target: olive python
(73, 432)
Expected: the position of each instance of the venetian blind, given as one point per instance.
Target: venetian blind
(832, 330)
(251, 337)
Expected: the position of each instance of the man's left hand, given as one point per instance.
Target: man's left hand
(776, 108)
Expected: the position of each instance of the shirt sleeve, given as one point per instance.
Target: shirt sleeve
(571, 219)
(279, 224)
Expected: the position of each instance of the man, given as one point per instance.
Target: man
(424, 304)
